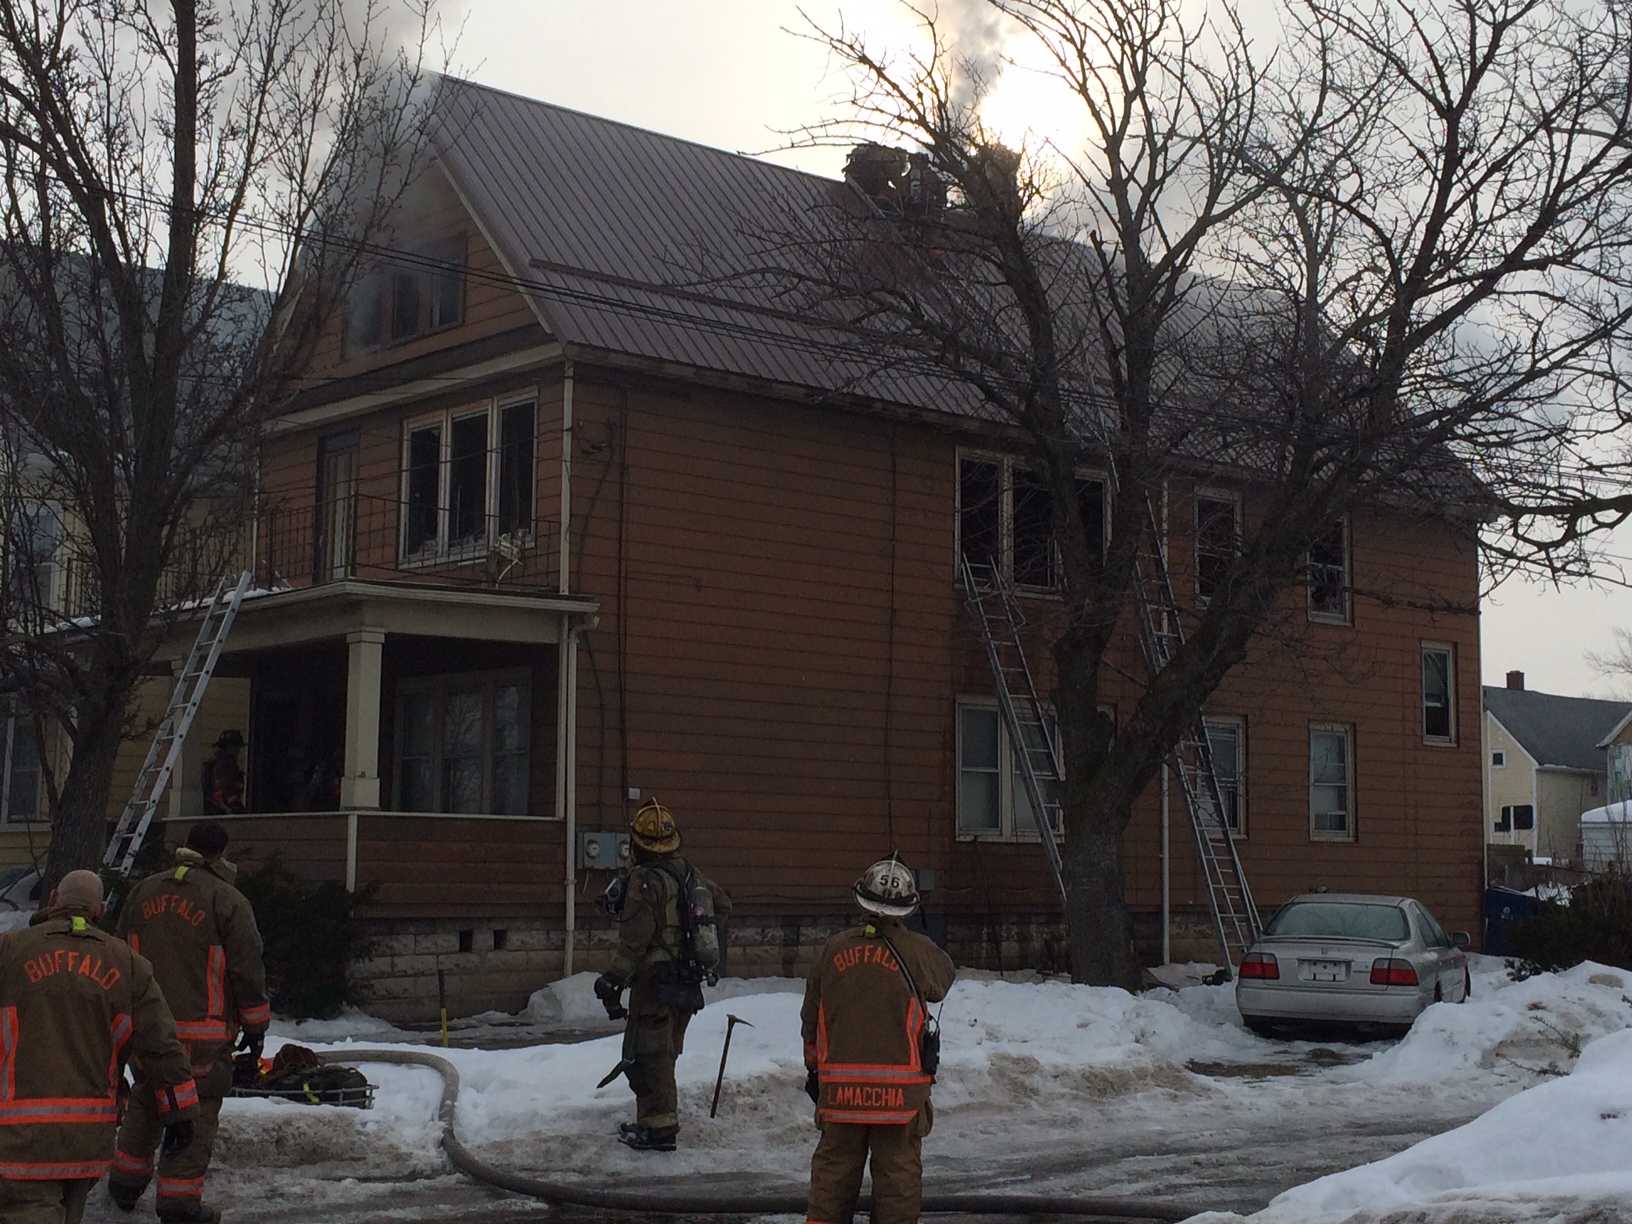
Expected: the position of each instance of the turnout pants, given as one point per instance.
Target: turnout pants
(898, 1171)
(44, 1202)
(652, 1040)
(181, 1177)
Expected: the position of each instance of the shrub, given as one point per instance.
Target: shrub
(1595, 925)
(312, 934)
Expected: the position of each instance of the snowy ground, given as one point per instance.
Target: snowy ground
(1044, 1086)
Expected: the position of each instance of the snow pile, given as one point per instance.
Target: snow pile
(1537, 1026)
(1568, 1141)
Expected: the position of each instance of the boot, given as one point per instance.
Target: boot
(125, 1197)
(649, 1138)
(193, 1213)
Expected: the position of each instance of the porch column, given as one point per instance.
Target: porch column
(186, 795)
(360, 784)
(566, 777)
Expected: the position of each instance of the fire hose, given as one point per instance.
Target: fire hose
(676, 1202)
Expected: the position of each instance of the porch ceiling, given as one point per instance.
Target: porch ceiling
(333, 610)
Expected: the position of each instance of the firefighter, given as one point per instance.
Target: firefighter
(200, 934)
(74, 1004)
(665, 988)
(866, 1009)
(221, 778)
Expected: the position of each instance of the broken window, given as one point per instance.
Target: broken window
(1218, 535)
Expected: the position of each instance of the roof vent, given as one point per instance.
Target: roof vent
(1515, 681)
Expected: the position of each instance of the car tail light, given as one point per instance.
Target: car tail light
(1260, 965)
(1392, 971)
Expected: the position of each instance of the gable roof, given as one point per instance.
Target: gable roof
(632, 242)
(1558, 732)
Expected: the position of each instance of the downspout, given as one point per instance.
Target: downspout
(1167, 878)
(566, 707)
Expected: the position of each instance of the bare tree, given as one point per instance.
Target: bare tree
(1383, 266)
(187, 187)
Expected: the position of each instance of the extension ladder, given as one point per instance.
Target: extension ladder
(1235, 918)
(1036, 750)
(178, 718)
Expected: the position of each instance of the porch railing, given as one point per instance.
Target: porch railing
(364, 537)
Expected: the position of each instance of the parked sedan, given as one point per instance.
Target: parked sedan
(1349, 958)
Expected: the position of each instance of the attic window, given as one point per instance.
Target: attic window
(422, 294)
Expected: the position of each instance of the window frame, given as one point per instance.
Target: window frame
(1008, 779)
(1009, 467)
(1238, 724)
(443, 549)
(1351, 822)
(1220, 497)
(425, 264)
(1448, 650)
(11, 721)
(489, 682)
(1498, 758)
(1345, 616)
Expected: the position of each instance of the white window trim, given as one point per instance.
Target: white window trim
(1498, 758)
(1239, 833)
(1218, 495)
(1346, 617)
(1449, 650)
(1328, 835)
(1008, 777)
(1007, 465)
(10, 723)
(441, 684)
(476, 551)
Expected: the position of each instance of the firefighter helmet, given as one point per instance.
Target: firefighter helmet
(888, 888)
(653, 829)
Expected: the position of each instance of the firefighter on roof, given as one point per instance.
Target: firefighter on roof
(74, 1004)
(659, 961)
(200, 934)
(864, 1021)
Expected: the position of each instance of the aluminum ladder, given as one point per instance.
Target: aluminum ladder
(178, 718)
(991, 603)
(1235, 917)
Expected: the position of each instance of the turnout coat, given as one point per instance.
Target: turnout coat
(862, 1022)
(75, 1003)
(200, 934)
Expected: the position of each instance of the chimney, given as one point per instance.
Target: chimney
(1515, 681)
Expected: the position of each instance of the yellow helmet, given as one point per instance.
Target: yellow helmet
(653, 829)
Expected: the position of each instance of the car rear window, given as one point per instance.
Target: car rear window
(1341, 920)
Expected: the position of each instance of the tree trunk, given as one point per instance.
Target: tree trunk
(79, 825)
(1097, 924)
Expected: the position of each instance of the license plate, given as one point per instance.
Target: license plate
(1326, 971)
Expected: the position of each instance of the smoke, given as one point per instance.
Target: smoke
(976, 34)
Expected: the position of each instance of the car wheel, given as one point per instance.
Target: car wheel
(1467, 985)
(1439, 993)
(1262, 1028)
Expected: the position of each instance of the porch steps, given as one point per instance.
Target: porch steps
(195, 675)
(1161, 633)
(992, 605)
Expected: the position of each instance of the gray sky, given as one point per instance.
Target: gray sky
(725, 73)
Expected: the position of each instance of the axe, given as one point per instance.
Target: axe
(731, 1022)
(623, 1065)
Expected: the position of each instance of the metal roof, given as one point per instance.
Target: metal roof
(636, 243)
(1558, 732)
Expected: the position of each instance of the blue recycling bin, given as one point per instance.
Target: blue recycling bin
(1502, 907)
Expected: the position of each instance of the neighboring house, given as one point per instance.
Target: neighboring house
(551, 535)
(1545, 764)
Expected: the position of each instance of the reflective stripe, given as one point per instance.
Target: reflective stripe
(39, 1170)
(184, 1095)
(261, 1013)
(850, 1073)
(867, 1118)
(135, 941)
(180, 1187)
(119, 1030)
(124, 1162)
(32, 1112)
(202, 1030)
(8, 1053)
(217, 982)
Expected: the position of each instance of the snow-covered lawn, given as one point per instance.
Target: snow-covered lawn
(1043, 1086)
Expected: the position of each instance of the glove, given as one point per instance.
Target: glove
(609, 990)
(813, 1086)
(251, 1043)
(178, 1137)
